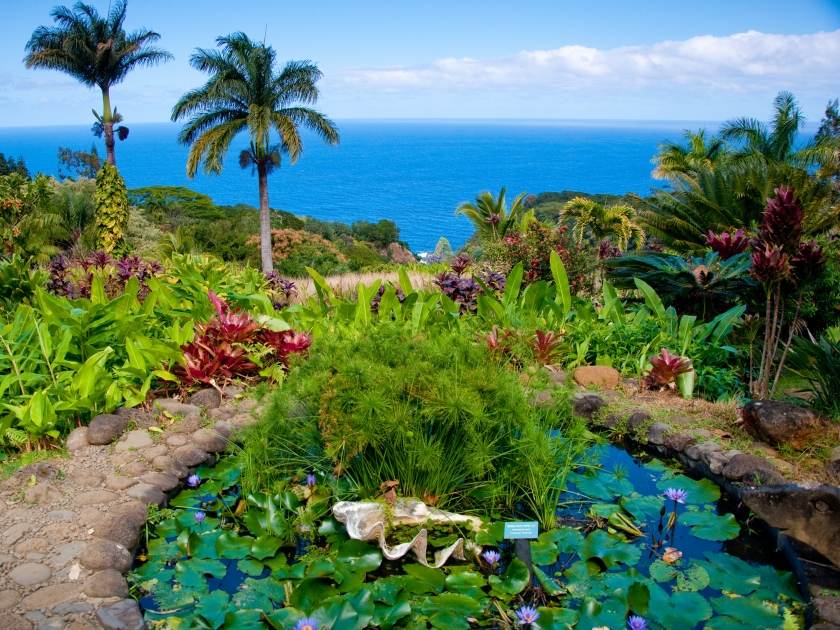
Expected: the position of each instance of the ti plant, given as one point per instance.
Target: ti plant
(546, 347)
(784, 265)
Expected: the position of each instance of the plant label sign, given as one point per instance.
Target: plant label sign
(521, 529)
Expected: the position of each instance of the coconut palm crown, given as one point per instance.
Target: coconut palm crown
(96, 51)
(247, 92)
(697, 152)
(490, 216)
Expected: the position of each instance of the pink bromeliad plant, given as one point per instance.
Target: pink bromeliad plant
(665, 368)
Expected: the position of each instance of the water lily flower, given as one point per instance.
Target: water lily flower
(528, 615)
(310, 481)
(306, 623)
(193, 481)
(677, 495)
(491, 557)
(199, 516)
(636, 623)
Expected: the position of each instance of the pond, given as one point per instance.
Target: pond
(617, 552)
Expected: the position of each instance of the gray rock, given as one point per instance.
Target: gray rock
(557, 377)
(105, 554)
(77, 440)
(586, 406)
(835, 454)
(124, 531)
(223, 428)
(743, 463)
(155, 451)
(207, 440)
(833, 469)
(134, 440)
(761, 478)
(175, 407)
(126, 457)
(42, 494)
(169, 465)
(222, 413)
(30, 573)
(72, 607)
(680, 420)
(656, 432)
(62, 515)
(784, 423)
(105, 428)
(631, 384)
(118, 482)
(637, 418)
(246, 404)
(164, 481)
(209, 398)
(49, 596)
(107, 583)
(808, 512)
(147, 493)
(88, 478)
(695, 451)
(134, 469)
(67, 552)
(190, 455)
(704, 434)
(242, 421)
(231, 391)
(716, 461)
(177, 440)
(679, 441)
(825, 626)
(141, 419)
(42, 471)
(134, 510)
(9, 599)
(121, 615)
(541, 400)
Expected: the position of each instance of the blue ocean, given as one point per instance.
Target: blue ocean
(413, 172)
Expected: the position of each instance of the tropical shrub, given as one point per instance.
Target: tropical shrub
(26, 217)
(19, 282)
(295, 250)
(819, 364)
(533, 249)
(112, 209)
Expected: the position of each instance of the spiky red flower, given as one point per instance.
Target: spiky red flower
(808, 263)
(727, 245)
(460, 264)
(769, 265)
(285, 342)
(781, 227)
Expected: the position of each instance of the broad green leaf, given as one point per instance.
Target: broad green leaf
(433, 577)
(467, 583)
(694, 578)
(265, 546)
(703, 491)
(514, 579)
(358, 556)
(544, 553)
(549, 585)
(386, 616)
(250, 567)
(680, 611)
(561, 281)
(609, 549)
(751, 611)
(231, 545)
(728, 573)
(709, 526)
(310, 593)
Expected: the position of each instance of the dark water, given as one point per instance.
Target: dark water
(413, 172)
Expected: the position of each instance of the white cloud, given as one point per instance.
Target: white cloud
(736, 63)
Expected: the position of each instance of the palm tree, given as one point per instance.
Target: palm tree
(615, 224)
(773, 143)
(696, 153)
(247, 92)
(491, 217)
(97, 52)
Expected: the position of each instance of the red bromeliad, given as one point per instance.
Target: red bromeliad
(546, 347)
(665, 368)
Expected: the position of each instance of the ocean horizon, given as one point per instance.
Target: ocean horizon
(412, 171)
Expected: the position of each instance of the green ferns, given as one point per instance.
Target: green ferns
(436, 413)
(112, 209)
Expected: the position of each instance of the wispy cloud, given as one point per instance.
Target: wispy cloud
(736, 63)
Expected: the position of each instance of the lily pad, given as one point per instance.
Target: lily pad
(544, 553)
(699, 492)
(609, 549)
(709, 526)
(750, 611)
(568, 539)
(357, 556)
(310, 593)
(694, 578)
(467, 583)
(680, 611)
(233, 546)
(515, 578)
(728, 573)
(250, 567)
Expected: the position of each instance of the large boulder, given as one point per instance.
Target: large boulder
(107, 583)
(106, 427)
(810, 513)
(784, 423)
(745, 463)
(101, 554)
(123, 614)
(141, 419)
(77, 440)
(600, 376)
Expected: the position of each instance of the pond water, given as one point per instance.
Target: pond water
(729, 575)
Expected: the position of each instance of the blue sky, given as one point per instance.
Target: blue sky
(645, 59)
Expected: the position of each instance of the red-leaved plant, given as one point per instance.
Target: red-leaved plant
(665, 368)
(727, 245)
(222, 347)
(498, 342)
(546, 347)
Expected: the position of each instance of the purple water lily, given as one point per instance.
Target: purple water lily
(307, 623)
(491, 557)
(528, 616)
(678, 495)
(193, 481)
(636, 623)
(310, 481)
(199, 516)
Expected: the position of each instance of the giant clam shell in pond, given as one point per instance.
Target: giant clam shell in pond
(367, 521)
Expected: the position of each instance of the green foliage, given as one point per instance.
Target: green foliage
(18, 282)
(9, 166)
(548, 206)
(491, 216)
(82, 164)
(819, 364)
(26, 217)
(112, 209)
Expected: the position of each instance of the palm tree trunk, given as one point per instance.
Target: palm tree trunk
(265, 220)
(108, 124)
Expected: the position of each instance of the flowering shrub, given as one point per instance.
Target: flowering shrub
(727, 245)
(294, 250)
(533, 249)
(282, 290)
(73, 278)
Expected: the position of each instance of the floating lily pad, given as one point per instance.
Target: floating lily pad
(609, 549)
(750, 611)
(703, 491)
(515, 578)
(709, 526)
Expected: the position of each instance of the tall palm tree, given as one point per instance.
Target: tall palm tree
(614, 223)
(775, 142)
(248, 92)
(491, 217)
(696, 153)
(97, 52)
